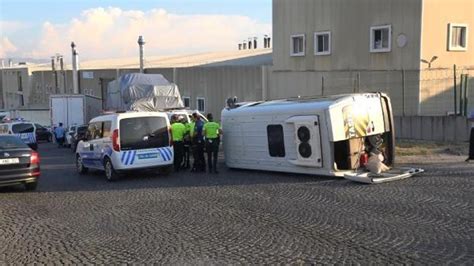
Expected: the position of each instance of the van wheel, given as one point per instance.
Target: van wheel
(31, 186)
(110, 172)
(81, 169)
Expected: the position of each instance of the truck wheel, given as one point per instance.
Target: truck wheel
(110, 172)
(81, 169)
(31, 186)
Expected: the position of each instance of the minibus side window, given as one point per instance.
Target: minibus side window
(276, 140)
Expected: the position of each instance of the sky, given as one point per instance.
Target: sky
(110, 29)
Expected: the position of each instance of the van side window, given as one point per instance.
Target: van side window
(276, 140)
(94, 131)
(4, 129)
(107, 125)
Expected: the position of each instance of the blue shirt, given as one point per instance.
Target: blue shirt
(199, 125)
(59, 132)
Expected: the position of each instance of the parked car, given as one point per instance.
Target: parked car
(43, 133)
(69, 132)
(78, 135)
(126, 141)
(23, 130)
(19, 164)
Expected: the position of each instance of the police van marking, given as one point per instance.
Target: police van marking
(166, 154)
(27, 137)
(128, 157)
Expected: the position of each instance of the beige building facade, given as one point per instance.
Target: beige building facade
(337, 46)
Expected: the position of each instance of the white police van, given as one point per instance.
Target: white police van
(26, 131)
(126, 141)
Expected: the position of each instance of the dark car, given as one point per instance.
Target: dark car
(77, 135)
(43, 134)
(19, 164)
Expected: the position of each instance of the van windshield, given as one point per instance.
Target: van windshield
(23, 128)
(143, 133)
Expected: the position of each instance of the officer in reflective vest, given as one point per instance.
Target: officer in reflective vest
(212, 131)
(178, 130)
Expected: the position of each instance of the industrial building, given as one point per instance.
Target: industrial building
(416, 51)
(406, 48)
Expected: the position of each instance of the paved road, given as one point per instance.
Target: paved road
(237, 217)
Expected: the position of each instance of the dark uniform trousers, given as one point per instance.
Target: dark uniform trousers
(199, 163)
(212, 148)
(178, 154)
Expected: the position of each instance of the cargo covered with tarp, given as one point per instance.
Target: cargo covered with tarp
(142, 92)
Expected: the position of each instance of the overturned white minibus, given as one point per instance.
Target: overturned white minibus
(321, 136)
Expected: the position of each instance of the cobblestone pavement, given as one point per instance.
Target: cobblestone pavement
(237, 217)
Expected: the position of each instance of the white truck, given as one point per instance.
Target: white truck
(73, 109)
(322, 136)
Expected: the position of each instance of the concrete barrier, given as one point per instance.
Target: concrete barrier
(435, 128)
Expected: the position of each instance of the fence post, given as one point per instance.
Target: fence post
(403, 92)
(461, 95)
(358, 82)
(455, 102)
(466, 93)
(322, 85)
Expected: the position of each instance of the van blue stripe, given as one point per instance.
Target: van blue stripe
(171, 152)
(123, 156)
(166, 156)
(133, 156)
(127, 161)
(163, 155)
(168, 152)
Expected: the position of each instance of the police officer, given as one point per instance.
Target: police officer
(187, 143)
(199, 164)
(178, 130)
(212, 131)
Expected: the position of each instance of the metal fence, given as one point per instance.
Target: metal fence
(413, 92)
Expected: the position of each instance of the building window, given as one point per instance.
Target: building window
(276, 141)
(187, 102)
(457, 37)
(297, 45)
(380, 39)
(322, 43)
(201, 104)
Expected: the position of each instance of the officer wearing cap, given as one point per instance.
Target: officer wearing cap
(178, 131)
(212, 131)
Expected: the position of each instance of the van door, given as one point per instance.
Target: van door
(307, 140)
(91, 150)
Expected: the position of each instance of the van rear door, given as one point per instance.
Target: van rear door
(143, 133)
